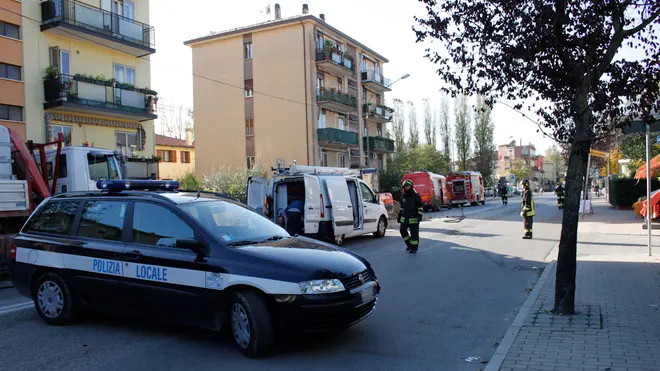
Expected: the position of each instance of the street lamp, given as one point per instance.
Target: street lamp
(366, 115)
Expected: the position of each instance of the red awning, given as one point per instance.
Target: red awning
(655, 166)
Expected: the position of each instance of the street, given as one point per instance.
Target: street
(455, 299)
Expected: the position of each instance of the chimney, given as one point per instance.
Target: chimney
(322, 16)
(305, 9)
(278, 12)
(189, 139)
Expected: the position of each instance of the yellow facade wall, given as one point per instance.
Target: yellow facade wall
(175, 170)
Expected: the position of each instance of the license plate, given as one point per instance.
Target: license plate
(367, 294)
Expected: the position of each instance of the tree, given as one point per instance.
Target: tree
(484, 144)
(414, 127)
(429, 123)
(553, 154)
(445, 126)
(463, 132)
(560, 52)
(520, 169)
(174, 120)
(398, 125)
(633, 148)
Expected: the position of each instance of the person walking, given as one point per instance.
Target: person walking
(410, 215)
(560, 192)
(505, 195)
(527, 210)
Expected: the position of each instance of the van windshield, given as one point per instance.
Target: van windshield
(102, 166)
(234, 224)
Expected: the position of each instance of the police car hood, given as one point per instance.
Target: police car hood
(305, 254)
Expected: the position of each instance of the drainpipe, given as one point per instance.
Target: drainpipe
(306, 98)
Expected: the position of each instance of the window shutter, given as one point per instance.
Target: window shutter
(173, 155)
(54, 55)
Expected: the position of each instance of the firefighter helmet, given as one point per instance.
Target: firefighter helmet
(525, 183)
(407, 182)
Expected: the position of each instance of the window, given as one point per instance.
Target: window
(364, 95)
(127, 143)
(367, 194)
(9, 71)
(124, 75)
(249, 127)
(379, 130)
(65, 62)
(340, 84)
(65, 130)
(247, 50)
(56, 217)
(185, 157)
(166, 156)
(324, 158)
(250, 162)
(366, 129)
(62, 172)
(364, 64)
(341, 159)
(322, 120)
(103, 220)
(102, 166)
(248, 89)
(9, 30)
(158, 226)
(340, 123)
(320, 43)
(11, 113)
(320, 82)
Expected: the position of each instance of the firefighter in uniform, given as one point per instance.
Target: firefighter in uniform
(527, 210)
(505, 194)
(560, 192)
(410, 215)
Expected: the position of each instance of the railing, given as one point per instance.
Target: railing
(337, 97)
(337, 136)
(97, 93)
(372, 75)
(379, 143)
(82, 15)
(337, 57)
(379, 111)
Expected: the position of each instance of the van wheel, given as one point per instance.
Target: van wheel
(251, 324)
(339, 239)
(382, 227)
(53, 300)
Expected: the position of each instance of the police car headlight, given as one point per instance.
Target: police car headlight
(321, 286)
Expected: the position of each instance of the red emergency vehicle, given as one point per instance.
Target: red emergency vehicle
(432, 188)
(466, 187)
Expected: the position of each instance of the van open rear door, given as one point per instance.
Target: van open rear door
(256, 193)
(314, 204)
(342, 207)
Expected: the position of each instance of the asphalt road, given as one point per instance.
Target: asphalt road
(454, 299)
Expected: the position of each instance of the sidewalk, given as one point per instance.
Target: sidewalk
(617, 325)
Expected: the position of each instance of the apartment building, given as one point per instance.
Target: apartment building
(87, 73)
(12, 88)
(291, 88)
(511, 151)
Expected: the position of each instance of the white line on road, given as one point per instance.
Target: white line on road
(16, 307)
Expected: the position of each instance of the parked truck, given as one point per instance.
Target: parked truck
(432, 188)
(466, 187)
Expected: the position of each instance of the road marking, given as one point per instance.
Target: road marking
(16, 307)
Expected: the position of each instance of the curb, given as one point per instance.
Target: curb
(16, 307)
(505, 345)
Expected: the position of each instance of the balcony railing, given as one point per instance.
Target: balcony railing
(339, 136)
(379, 144)
(92, 92)
(79, 14)
(377, 77)
(336, 57)
(379, 111)
(325, 95)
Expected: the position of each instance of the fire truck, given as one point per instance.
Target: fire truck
(466, 187)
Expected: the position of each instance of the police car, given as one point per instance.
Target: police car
(143, 248)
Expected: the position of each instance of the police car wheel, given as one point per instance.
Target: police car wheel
(251, 324)
(382, 227)
(53, 300)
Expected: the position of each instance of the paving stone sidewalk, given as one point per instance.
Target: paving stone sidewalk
(617, 325)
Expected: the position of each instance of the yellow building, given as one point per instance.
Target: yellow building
(177, 156)
(291, 88)
(87, 73)
(12, 97)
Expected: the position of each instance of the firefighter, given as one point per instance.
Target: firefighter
(505, 194)
(527, 210)
(410, 215)
(560, 192)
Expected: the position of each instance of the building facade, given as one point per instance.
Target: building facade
(87, 74)
(12, 86)
(177, 156)
(510, 152)
(293, 88)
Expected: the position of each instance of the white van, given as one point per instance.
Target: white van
(338, 203)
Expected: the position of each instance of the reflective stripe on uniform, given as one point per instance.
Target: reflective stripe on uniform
(406, 238)
(155, 273)
(414, 242)
(412, 221)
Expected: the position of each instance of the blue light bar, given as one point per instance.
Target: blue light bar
(368, 170)
(150, 185)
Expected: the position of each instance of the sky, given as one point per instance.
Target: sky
(382, 25)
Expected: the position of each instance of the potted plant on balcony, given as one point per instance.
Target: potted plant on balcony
(327, 48)
(52, 85)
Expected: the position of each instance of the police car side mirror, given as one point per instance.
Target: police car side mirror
(191, 244)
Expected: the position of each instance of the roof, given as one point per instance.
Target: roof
(282, 22)
(172, 196)
(162, 140)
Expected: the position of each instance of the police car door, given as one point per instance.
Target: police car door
(163, 280)
(256, 193)
(340, 201)
(314, 204)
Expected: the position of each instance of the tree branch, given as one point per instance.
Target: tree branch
(617, 39)
(560, 14)
(646, 22)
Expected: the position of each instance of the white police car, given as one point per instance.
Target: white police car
(194, 258)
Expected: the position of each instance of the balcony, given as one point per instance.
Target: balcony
(334, 62)
(337, 138)
(378, 144)
(80, 21)
(375, 81)
(336, 101)
(84, 94)
(378, 113)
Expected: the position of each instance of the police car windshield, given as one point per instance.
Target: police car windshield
(232, 223)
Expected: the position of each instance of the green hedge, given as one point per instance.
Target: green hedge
(625, 192)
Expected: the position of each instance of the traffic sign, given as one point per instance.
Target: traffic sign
(513, 179)
(657, 139)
